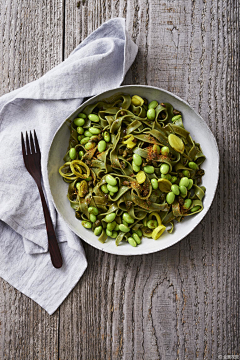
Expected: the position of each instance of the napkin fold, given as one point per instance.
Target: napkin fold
(98, 64)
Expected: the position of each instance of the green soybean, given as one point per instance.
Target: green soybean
(94, 138)
(136, 238)
(124, 228)
(79, 122)
(93, 210)
(87, 133)
(112, 189)
(106, 136)
(98, 230)
(80, 137)
(187, 203)
(111, 225)
(186, 173)
(81, 153)
(183, 189)
(126, 217)
(111, 193)
(174, 179)
(125, 223)
(165, 150)
(193, 165)
(190, 184)
(132, 241)
(184, 182)
(93, 117)
(164, 169)
(95, 131)
(170, 197)
(111, 180)
(104, 188)
(85, 140)
(108, 232)
(175, 189)
(148, 169)
(87, 224)
(195, 208)
(154, 183)
(153, 104)
(175, 118)
(116, 227)
(102, 146)
(82, 115)
(80, 130)
(72, 153)
(137, 159)
(152, 224)
(89, 145)
(167, 176)
(110, 217)
(151, 114)
(156, 148)
(135, 167)
(139, 232)
(114, 234)
(92, 218)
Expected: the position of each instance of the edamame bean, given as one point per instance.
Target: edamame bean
(164, 169)
(90, 145)
(167, 176)
(104, 188)
(95, 131)
(98, 230)
(92, 218)
(183, 189)
(174, 179)
(72, 153)
(82, 115)
(102, 146)
(190, 184)
(110, 217)
(126, 217)
(93, 210)
(108, 232)
(111, 193)
(136, 238)
(87, 224)
(111, 180)
(116, 227)
(85, 140)
(111, 226)
(148, 169)
(135, 167)
(137, 159)
(139, 232)
(151, 114)
(175, 118)
(153, 104)
(187, 203)
(154, 183)
(79, 122)
(186, 173)
(156, 148)
(170, 197)
(81, 153)
(87, 133)
(80, 130)
(125, 223)
(114, 234)
(137, 100)
(113, 189)
(152, 224)
(175, 189)
(93, 117)
(80, 137)
(193, 165)
(165, 150)
(94, 138)
(195, 208)
(124, 228)
(132, 241)
(184, 182)
(106, 136)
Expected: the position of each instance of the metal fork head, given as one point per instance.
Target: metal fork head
(32, 155)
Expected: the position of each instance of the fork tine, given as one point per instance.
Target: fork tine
(23, 145)
(27, 143)
(32, 143)
(36, 142)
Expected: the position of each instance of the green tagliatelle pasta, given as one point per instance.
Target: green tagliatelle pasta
(132, 169)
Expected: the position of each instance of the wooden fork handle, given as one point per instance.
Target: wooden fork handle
(52, 240)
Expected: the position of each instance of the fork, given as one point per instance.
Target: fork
(32, 158)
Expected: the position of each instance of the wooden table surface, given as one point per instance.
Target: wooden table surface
(180, 303)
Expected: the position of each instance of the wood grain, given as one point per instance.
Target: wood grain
(183, 302)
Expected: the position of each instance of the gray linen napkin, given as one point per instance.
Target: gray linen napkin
(99, 63)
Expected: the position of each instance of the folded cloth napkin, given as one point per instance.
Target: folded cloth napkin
(99, 63)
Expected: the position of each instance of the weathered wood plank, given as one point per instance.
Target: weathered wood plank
(174, 304)
(31, 44)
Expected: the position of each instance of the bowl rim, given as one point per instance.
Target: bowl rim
(121, 89)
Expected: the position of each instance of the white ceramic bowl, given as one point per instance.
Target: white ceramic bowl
(200, 133)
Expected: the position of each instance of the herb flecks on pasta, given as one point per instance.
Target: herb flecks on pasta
(132, 169)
